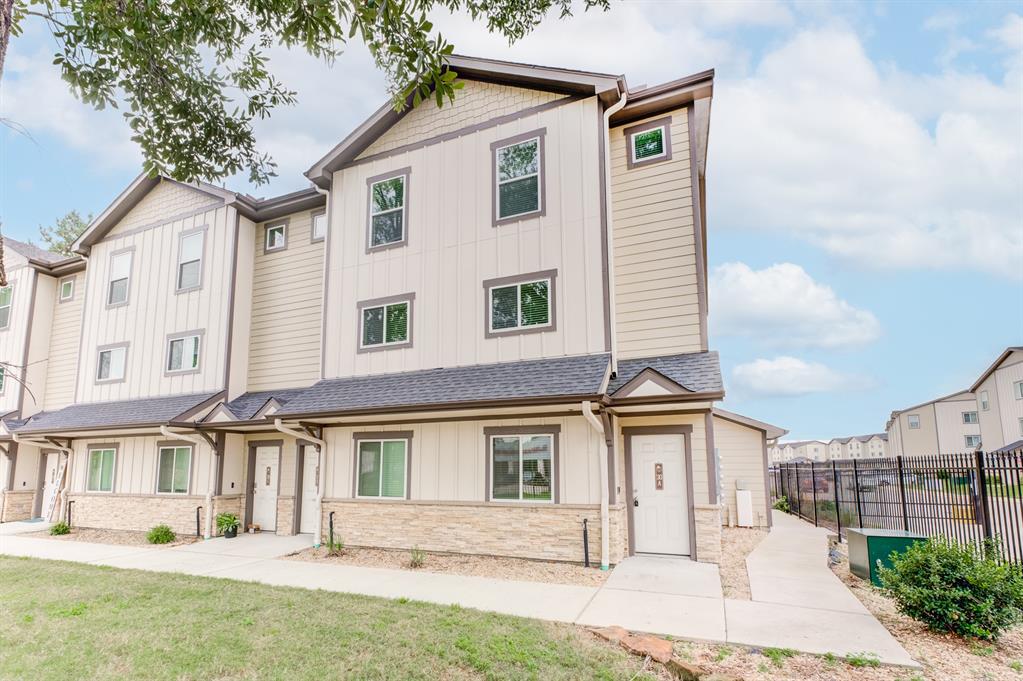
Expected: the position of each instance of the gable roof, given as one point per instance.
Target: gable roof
(246, 407)
(997, 363)
(698, 372)
(937, 399)
(770, 432)
(32, 252)
(153, 411)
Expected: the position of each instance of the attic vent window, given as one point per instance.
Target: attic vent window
(649, 142)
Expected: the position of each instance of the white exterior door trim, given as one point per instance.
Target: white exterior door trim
(685, 503)
(307, 503)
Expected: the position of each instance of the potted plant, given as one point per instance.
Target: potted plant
(227, 525)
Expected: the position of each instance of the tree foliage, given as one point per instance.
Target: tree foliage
(193, 75)
(64, 232)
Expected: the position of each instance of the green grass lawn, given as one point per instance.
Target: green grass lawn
(70, 621)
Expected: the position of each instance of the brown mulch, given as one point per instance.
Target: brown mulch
(460, 564)
(98, 536)
(736, 544)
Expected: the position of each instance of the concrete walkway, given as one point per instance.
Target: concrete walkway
(797, 602)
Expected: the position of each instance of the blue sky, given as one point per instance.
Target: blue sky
(865, 179)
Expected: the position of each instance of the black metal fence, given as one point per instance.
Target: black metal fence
(965, 497)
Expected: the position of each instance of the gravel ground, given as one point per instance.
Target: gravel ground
(477, 566)
(736, 544)
(125, 537)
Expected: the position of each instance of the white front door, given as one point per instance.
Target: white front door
(264, 492)
(660, 509)
(50, 482)
(310, 482)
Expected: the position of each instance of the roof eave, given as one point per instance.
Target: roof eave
(997, 363)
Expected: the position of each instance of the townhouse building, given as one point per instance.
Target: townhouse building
(946, 425)
(482, 327)
(858, 447)
(999, 392)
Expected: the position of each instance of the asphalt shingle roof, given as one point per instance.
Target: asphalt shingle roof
(245, 406)
(114, 414)
(579, 376)
(696, 371)
(33, 252)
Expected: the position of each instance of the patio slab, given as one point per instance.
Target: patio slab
(663, 574)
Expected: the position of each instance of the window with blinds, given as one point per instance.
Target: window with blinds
(183, 354)
(648, 145)
(101, 470)
(190, 261)
(385, 324)
(518, 179)
(526, 304)
(110, 364)
(387, 211)
(173, 471)
(382, 467)
(120, 276)
(521, 468)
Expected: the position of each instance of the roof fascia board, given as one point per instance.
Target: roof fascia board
(997, 363)
(444, 406)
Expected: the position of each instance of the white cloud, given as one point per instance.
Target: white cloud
(782, 305)
(1010, 33)
(791, 377)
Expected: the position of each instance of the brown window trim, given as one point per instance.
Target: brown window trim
(664, 122)
(378, 302)
(284, 222)
(130, 250)
(496, 221)
(89, 449)
(313, 214)
(111, 346)
(203, 229)
(405, 173)
(167, 444)
(405, 435)
(489, 284)
(554, 430)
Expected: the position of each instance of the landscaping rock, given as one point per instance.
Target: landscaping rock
(612, 634)
(642, 645)
(684, 671)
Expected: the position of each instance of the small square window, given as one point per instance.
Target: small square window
(110, 364)
(387, 203)
(275, 238)
(970, 417)
(972, 441)
(67, 289)
(520, 306)
(914, 421)
(183, 354)
(522, 468)
(319, 226)
(384, 325)
(101, 470)
(648, 145)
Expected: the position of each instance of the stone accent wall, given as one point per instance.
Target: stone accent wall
(708, 533)
(227, 504)
(16, 505)
(285, 515)
(539, 532)
(129, 512)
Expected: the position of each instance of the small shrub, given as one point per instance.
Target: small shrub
(778, 655)
(956, 588)
(335, 547)
(161, 534)
(830, 659)
(860, 660)
(722, 654)
(782, 504)
(60, 528)
(418, 558)
(1016, 666)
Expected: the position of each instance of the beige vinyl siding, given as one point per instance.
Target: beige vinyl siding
(656, 299)
(1010, 408)
(741, 453)
(476, 102)
(453, 248)
(991, 422)
(287, 286)
(154, 309)
(13, 338)
(135, 466)
(952, 431)
(166, 201)
(449, 459)
(62, 366)
(39, 345)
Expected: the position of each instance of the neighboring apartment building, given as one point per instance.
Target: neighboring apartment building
(946, 425)
(858, 447)
(802, 450)
(999, 392)
(484, 324)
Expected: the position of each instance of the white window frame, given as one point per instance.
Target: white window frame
(113, 470)
(60, 290)
(197, 335)
(130, 255)
(313, 238)
(538, 137)
(191, 461)
(123, 347)
(9, 305)
(550, 276)
(664, 145)
(967, 415)
(985, 404)
(909, 420)
(968, 438)
(403, 174)
(385, 303)
(201, 233)
(521, 437)
(3, 379)
(358, 466)
(268, 230)
(1017, 388)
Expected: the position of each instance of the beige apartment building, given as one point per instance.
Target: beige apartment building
(946, 425)
(479, 327)
(999, 392)
(870, 446)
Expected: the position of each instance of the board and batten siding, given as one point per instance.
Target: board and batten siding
(449, 459)
(20, 278)
(64, 337)
(136, 463)
(655, 272)
(952, 431)
(154, 309)
(741, 455)
(1009, 406)
(287, 305)
(453, 248)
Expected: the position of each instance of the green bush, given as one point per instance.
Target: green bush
(226, 521)
(782, 504)
(60, 528)
(161, 534)
(956, 588)
(418, 558)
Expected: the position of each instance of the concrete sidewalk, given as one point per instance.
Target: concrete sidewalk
(797, 602)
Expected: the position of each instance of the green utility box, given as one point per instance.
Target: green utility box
(867, 546)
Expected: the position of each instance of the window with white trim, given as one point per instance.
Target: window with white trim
(382, 467)
(914, 421)
(518, 173)
(110, 364)
(319, 227)
(970, 417)
(387, 211)
(183, 353)
(190, 249)
(522, 468)
(6, 300)
(521, 305)
(173, 470)
(972, 441)
(120, 278)
(648, 145)
(67, 289)
(385, 324)
(984, 403)
(101, 470)
(1017, 389)
(276, 237)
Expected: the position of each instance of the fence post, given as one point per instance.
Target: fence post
(856, 487)
(902, 494)
(982, 493)
(813, 488)
(838, 506)
(799, 509)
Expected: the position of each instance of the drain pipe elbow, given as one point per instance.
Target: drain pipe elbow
(605, 543)
(320, 445)
(207, 531)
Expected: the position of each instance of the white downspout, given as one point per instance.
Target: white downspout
(608, 212)
(604, 519)
(320, 446)
(196, 440)
(66, 482)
